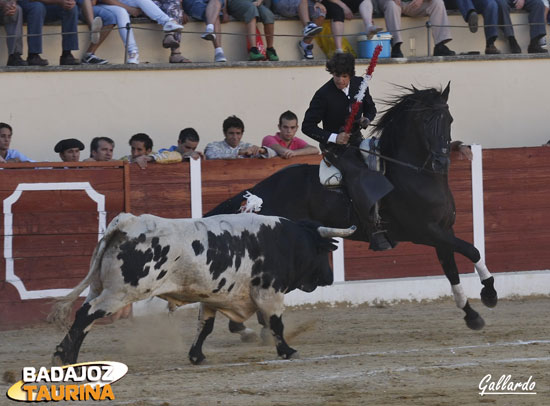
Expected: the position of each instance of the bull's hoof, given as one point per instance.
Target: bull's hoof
(248, 335)
(476, 323)
(292, 354)
(267, 337)
(489, 295)
(57, 360)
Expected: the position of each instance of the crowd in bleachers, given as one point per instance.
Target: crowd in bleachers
(283, 143)
(101, 16)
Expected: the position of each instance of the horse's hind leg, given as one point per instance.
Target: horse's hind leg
(489, 295)
(447, 260)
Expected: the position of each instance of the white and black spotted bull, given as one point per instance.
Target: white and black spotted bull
(236, 264)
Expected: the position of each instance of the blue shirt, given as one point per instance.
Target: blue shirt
(172, 148)
(13, 154)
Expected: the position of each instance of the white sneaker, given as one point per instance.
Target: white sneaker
(220, 57)
(311, 29)
(172, 25)
(133, 58)
(97, 25)
(208, 35)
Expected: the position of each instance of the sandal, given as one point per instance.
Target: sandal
(178, 58)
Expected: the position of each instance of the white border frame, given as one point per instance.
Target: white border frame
(11, 277)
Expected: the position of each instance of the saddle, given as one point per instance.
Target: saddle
(331, 177)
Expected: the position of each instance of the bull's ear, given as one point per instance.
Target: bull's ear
(445, 93)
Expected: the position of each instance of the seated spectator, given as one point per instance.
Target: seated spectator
(7, 154)
(285, 143)
(136, 8)
(232, 147)
(11, 16)
(188, 141)
(101, 22)
(101, 149)
(340, 10)
(174, 10)
(69, 149)
(209, 12)
(437, 13)
(490, 11)
(537, 25)
(39, 11)
(141, 145)
(312, 15)
(250, 11)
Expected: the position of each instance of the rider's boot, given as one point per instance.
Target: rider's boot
(379, 240)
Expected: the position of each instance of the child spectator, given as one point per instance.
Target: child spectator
(209, 12)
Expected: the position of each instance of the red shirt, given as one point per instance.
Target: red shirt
(295, 144)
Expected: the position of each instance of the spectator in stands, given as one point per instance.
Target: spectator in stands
(232, 147)
(437, 13)
(101, 149)
(141, 145)
(285, 143)
(173, 8)
(69, 149)
(137, 7)
(188, 141)
(340, 10)
(250, 11)
(209, 12)
(11, 16)
(537, 24)
(7, 154)
(312, 15)
(39, 11)
(100, 21)
(489, 9)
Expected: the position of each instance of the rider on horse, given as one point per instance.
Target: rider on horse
(331, 105)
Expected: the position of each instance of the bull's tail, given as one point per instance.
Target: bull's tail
(62, 306)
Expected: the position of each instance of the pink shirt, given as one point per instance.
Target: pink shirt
(295, 144)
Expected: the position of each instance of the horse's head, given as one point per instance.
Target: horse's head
(420, 123)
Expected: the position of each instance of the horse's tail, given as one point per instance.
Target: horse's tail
(233, 205)
(62, 306)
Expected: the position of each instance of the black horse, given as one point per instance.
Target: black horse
(415, 136)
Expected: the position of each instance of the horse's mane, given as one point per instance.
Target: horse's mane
(392, 125)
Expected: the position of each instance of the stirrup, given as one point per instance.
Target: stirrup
(379, 241)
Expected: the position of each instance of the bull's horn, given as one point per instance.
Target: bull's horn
(329, 232)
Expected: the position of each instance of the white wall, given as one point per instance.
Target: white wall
(496, 103)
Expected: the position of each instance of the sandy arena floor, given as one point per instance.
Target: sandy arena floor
(403, 354)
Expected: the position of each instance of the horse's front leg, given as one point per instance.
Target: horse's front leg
(447, 260)
(489, 295)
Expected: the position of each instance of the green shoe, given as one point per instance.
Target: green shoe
(272, 55)
(255, 55)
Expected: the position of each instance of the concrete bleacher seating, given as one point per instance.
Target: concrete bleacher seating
(288, 31)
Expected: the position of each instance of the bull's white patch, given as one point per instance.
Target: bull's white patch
(82, 381)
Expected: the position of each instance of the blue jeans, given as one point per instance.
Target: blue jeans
(36, 13)
(489, 9)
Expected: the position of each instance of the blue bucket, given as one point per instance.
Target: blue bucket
(366, 46)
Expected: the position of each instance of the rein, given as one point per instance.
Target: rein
(396, 161)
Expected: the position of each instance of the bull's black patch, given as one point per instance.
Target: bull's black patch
(256, 281)
(178, 257)
(230, 287)
(160, 254)
(220, 285)
(161, 274)
(266, 280)
(197, 247)
(135, 262)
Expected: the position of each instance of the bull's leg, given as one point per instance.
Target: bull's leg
(265, 333)
(272, 306)
(67, 351)
(206, 324)
(489, 295)
(247, 334)
(447, 260)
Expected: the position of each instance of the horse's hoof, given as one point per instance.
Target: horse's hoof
(267, 337)
(248, 335)
(476, 323)
(197, 360)
(489, 299)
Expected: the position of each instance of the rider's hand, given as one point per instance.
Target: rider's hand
(364, 122)
(342, 138)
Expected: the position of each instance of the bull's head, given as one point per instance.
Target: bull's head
(323, 275)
